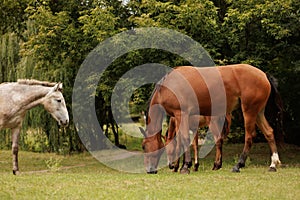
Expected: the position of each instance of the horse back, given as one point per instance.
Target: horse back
(191, 89)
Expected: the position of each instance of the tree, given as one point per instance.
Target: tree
(265, 34)
(49, 39)
(53, 50)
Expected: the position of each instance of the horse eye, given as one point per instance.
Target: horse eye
(58, 100)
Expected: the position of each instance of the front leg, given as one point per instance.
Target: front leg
(185, 143)
(195, 148)
(15, 149)
(249, 134)
(241, 162)
(185, 165)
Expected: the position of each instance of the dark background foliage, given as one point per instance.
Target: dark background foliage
(49, 39)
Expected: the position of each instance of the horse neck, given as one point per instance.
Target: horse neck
(154, 120)
(33, 95)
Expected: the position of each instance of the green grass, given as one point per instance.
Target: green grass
(81, 176)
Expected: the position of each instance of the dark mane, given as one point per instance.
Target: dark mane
(156, 88)
(36, 82)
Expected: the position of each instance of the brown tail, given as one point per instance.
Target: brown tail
(274, 111)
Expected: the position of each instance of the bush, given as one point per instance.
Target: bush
(35, 140)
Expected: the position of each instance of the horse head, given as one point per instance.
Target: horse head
(153, 147)
(54, 103)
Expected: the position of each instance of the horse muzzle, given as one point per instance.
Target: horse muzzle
(64, 122)
(152, 172)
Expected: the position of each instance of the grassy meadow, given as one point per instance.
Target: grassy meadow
(80, 176)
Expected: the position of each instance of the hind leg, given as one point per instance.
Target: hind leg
(264, 126)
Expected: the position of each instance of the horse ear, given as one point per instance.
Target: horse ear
(58, 87)
(143, 131)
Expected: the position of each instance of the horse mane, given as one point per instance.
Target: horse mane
(36, 82)
(157, 87)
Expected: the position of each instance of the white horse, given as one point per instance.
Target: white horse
(17, 98)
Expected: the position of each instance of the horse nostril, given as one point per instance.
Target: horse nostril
(64, 123)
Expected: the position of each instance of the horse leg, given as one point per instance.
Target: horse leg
(176, 165)
(195, 148)
(195, 122)
(15, 149)
(185, 143)
(264, 126)
(250, 132)
(173, 153)
(177, 154)
(171, 146)
(218, 141)
(218, 159)
(184, 164)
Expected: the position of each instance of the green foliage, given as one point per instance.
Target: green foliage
(9, 58)
(35, 140)
(12, 16)
(48, 40)
(98, 23)
(54, 164)
(198, 19)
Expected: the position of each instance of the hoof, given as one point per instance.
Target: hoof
(235, 169)
(196, 166)
(175, 170)
(216, 167)
(184, 171)
(272, 169)
(16, 172)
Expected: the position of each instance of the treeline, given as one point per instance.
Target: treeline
(49, 40)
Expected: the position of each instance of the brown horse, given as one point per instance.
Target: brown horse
(173, 147)
(208, 91)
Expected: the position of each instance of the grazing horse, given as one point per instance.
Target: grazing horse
(208, 91)
(173, 147)
(17, 98)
